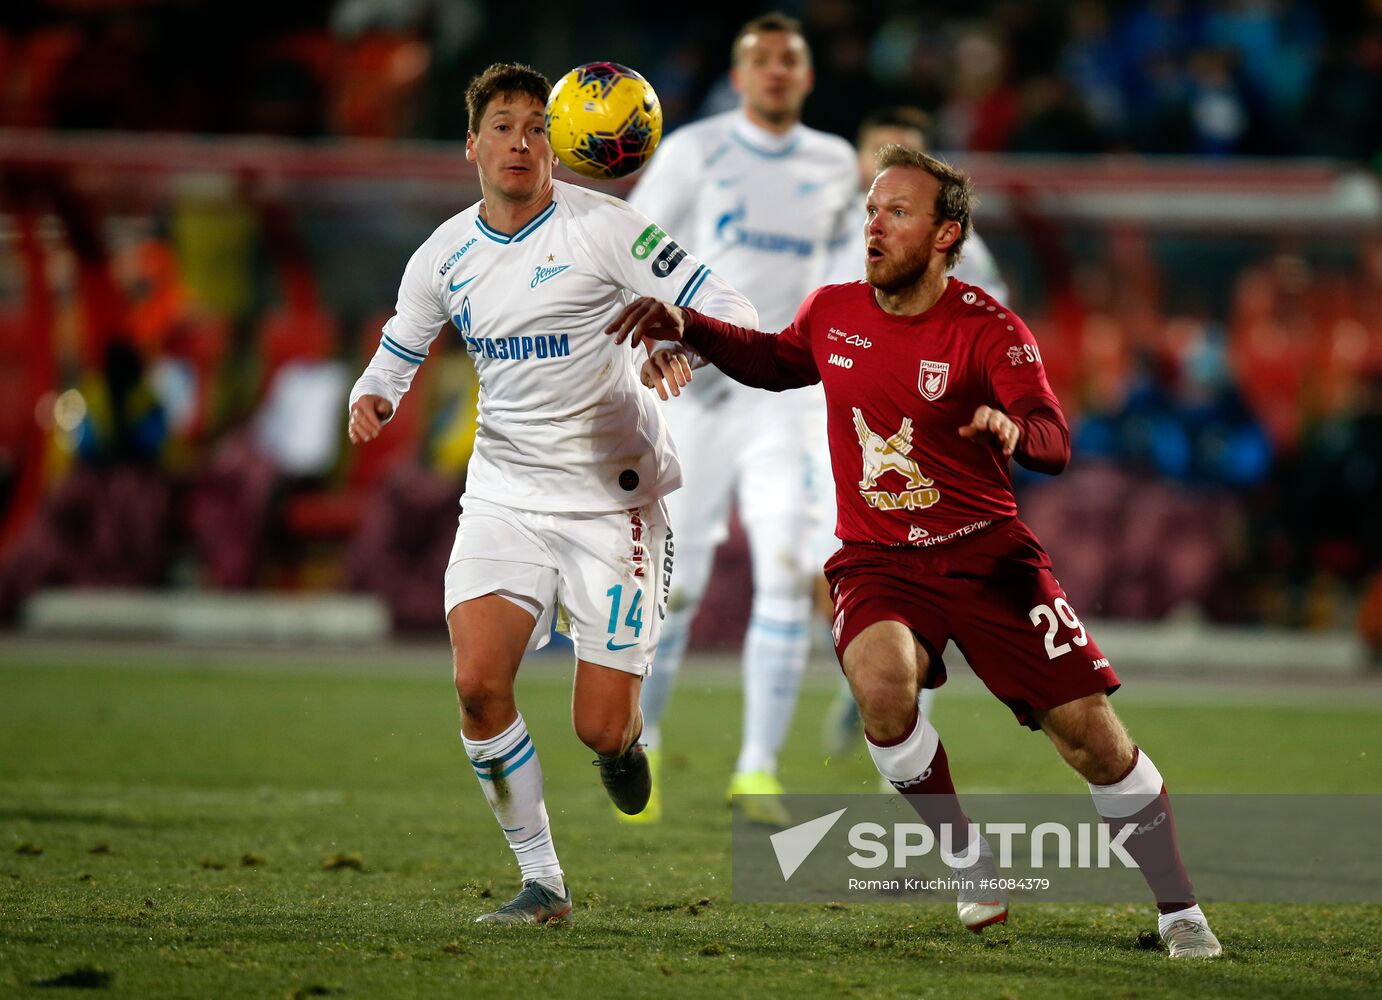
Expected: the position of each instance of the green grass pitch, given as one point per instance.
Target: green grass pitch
(276, 825)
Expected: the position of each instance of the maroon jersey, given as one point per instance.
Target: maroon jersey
(898, 389)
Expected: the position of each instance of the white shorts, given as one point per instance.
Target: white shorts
(604, 576)
(766, 452)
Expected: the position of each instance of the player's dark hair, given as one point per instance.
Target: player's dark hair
(898, 116)
(955, 200)
(503, 79)
(774, 20)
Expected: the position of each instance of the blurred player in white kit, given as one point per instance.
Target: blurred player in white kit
(766, 200)
(563, 507)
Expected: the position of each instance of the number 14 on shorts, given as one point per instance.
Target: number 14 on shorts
(633, 620)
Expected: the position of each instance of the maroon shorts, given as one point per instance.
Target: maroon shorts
(994, 595)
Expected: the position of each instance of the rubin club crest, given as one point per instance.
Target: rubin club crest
(933, 378)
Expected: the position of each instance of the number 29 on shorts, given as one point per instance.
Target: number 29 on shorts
(1063, 614)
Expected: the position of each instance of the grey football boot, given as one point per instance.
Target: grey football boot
(535, 904)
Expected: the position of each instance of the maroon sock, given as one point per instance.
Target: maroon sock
(932, 794)
(1154, 847)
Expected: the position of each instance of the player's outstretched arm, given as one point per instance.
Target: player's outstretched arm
(762, 360)
(367, 416)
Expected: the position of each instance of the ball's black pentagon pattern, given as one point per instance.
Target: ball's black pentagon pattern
(583, 101)
(603, 75)
(621, 152)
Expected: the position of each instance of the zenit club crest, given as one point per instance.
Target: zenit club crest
(933, 378)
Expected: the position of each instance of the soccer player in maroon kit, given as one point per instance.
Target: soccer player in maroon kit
(931, 388)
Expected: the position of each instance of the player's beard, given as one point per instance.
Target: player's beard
(893, 276)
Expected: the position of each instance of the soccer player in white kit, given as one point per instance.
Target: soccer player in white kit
(563, 506)
(908, 127)
(763, 198)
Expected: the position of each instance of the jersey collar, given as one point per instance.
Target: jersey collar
(762, 142)
(523, 233)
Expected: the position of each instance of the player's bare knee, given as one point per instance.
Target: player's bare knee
(607, 737)
(886, 706)
(481, 695)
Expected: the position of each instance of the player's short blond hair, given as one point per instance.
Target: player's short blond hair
(503, 79)
(955, 200)
(772, 21)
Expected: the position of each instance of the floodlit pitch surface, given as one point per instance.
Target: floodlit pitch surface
(184, 824)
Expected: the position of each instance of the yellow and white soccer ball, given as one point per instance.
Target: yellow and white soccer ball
(603, 120)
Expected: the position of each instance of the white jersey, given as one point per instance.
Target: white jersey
(763, 209)
(564, 422)
(975, 267)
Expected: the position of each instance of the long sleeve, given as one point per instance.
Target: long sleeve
(418, 317)
(1017, 379)
(774, 361)
(1045, 442)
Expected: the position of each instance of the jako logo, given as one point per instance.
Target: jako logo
(843, 362)
(899, 785)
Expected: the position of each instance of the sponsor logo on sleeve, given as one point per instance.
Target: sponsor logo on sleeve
(646, 242)
(668, 260)
(451, 261)
(1024, 354)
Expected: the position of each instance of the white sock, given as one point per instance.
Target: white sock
(1136, 791)
(1165, 920)
(511, 777)
(909, 764)
(909, 760)
(925, 700)
(657, 686)
(775, 652)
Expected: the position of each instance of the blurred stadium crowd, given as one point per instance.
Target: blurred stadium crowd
(1206, 77)
(188, 372)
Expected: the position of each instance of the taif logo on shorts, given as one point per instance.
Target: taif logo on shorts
(933, 378)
